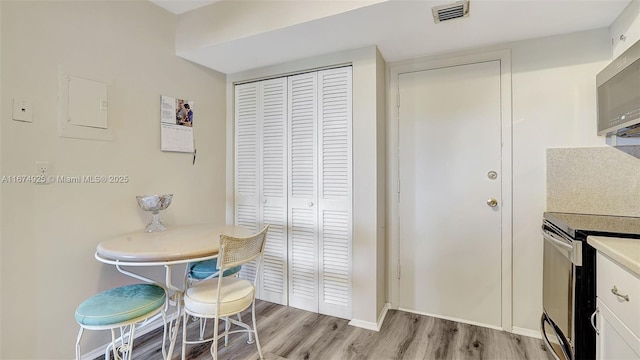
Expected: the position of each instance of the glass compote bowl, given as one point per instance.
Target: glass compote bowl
(154, 203)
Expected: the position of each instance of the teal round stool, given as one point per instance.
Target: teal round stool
(201, 270)
(121, 308)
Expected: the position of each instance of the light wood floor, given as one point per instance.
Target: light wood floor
(289, 333)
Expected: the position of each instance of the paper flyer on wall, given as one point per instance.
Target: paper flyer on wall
(176, 124)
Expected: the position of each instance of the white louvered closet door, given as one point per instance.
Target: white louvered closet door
(273, 284)
(247, 176)
(261, 178)
(334, 191)
(293, 140)
(302, 201)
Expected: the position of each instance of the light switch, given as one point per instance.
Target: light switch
(22, 110)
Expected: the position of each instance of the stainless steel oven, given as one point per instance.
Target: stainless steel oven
(569, 279)
(562, 255)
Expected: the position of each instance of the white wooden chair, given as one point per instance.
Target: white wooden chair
(122, 308)
(219, 298)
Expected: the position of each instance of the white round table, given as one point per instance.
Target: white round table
(176, 245)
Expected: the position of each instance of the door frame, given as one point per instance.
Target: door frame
(393, 158)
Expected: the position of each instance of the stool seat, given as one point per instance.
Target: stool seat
(235, 296)
(121, 304)
(203, 269)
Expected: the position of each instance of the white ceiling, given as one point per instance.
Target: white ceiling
(404, 29)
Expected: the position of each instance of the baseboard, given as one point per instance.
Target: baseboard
(371, 325)
(526, 332)
(382, 315)
(156, 324)
(450, 318)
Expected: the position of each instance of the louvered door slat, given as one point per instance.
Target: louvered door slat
(302, 199)
(247, 177)
(246, 174)
(335, 188)
(302, 124)
(247, 217)
(335, 264)
(303, 290)
(246, 155)
(274, 285)
(274, 271)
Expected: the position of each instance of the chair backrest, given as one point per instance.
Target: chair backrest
(237, 251)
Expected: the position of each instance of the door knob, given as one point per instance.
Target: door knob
(492, 202)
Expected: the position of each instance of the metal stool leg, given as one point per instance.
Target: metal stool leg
(78, 343)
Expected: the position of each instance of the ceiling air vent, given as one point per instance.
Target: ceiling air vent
(451, 11)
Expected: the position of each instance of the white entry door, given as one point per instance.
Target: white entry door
(450, 230)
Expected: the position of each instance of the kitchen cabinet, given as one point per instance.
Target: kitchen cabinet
(617, 317)
(614, 340)
(625, 31)
(293, 171)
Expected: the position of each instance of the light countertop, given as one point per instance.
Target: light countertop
(625, 251)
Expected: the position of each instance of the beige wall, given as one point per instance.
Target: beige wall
(381, 157)
(381, 168)
(368, 241)
(49, 233)
(554, 105)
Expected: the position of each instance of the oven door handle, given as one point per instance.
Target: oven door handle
(573, 248)
(560, 243)
(564, 343)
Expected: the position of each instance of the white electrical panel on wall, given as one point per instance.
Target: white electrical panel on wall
(87, 102)
(84, 105)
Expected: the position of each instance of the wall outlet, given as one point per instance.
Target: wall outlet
(43, 168)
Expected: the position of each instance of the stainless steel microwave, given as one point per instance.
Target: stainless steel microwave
(618, 88)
